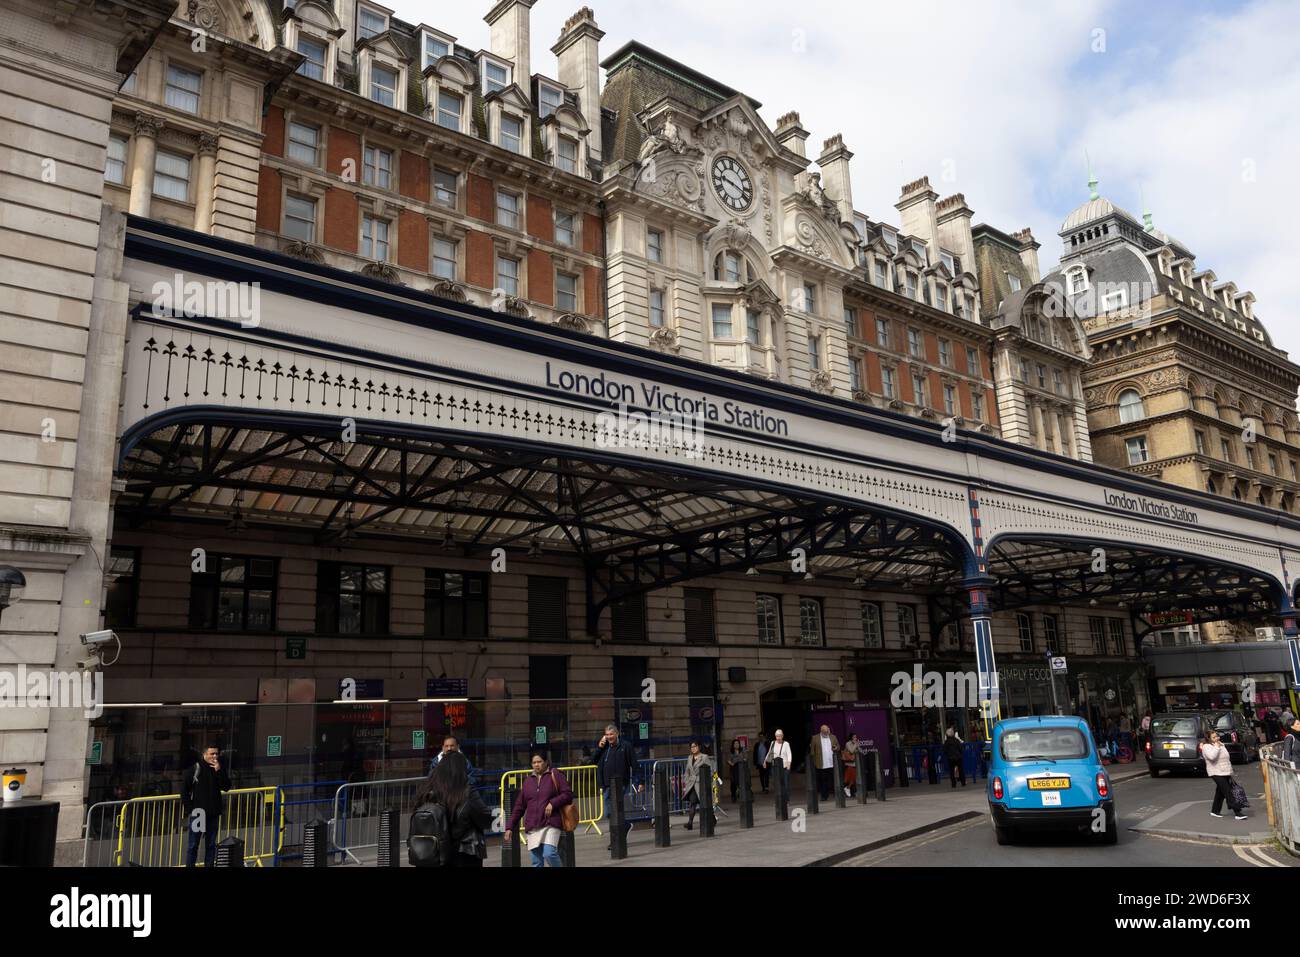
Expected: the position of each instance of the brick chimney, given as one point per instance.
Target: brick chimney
(954, 230)
(790, 134)
(1028, 252)
(917, 212)
(834, 163)
(510, 38)
(578, 55)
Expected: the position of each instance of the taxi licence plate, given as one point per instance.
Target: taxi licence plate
(1049, 784)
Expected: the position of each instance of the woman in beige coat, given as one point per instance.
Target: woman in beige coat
(1218, 765)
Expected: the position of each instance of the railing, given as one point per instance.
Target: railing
(153, 831)
(354, 823)
(301, 804)
(1282, 795)
(584, 784)
(100, 834)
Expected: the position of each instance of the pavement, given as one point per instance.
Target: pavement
(806, 840)
(1191, 820)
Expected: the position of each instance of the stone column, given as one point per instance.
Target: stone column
(1036, 410)
(207, 181)
(142, 162)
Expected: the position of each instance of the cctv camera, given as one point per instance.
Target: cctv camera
(88, 664)
(98, 637)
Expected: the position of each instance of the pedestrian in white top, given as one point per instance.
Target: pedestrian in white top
(780, 749)
(1218, 765)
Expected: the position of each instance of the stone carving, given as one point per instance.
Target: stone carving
(823, 383)
(573, 322)
(304, 251)
(146, 125)
(668, 139)
(1163, 380)
(205, 15)
(665, 340)
(733, 234)
(446, 289)
(207, 143)
(815, 195)
(810, 241)
(514, 306)
(385, 271)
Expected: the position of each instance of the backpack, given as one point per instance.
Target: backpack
(428, 840)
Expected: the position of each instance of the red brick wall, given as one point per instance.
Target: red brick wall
(963, 390)
(414, 176)
(342, 222)
(480, 202)
(412, 241)
(268, 199)
(875, 381)
(273, 132)
(342, 145)
(480, 260)
(540, 221)
(931, 347)
(592, 301)
(541, 277)
(593, 239)
(991, 408)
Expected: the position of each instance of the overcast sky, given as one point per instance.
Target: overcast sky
(1194, 103)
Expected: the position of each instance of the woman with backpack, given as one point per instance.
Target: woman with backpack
(449, 819)
(540, 804)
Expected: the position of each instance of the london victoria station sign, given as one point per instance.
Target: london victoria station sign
(1141, 505)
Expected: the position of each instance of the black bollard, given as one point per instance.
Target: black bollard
(618, 831)
(746, 795)
(900, 767)
(781, 790)
(931, 763)
(878, 775)
(810, 780)
(315, 844)
(510, 848)
(839, 781)
(230, 853)
(568, 849)
(704, 790)
(663, 832)
(860, 759)
(390, 837)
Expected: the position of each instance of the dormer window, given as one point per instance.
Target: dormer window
(512, 133)
(919, 248)
(1015, 282)
(1076, 280)
(549, 99)
(450, 109)
(941, 296)
(882, 274)
(383, 85)
(370, 23)
(950, 262)
(911, 285)
(566, 154)
(1117, 299)
(435, 48)
(496, 76)
(890, 237)
(314, 66)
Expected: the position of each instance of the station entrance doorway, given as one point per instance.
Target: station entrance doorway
(787, 709)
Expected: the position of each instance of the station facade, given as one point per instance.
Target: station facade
(421, 393)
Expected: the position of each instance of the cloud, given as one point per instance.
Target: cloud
(999, 101)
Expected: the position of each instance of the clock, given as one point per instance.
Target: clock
(732, 183)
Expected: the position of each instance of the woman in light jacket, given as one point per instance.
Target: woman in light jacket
(1218, 765)
(695, 790)
(781, 749)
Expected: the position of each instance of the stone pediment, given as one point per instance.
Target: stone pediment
(735, 123)
(814, 235)
(382, 45)
(453, 70)
(569, 117)
(511, 96)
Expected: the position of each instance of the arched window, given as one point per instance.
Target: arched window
(1209, 487)
(1076, 280)
(731, 266)
(1130, 406)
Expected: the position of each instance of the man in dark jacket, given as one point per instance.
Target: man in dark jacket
(615, 759)
(1291, 743)
(201, 789)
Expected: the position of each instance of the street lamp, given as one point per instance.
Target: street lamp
(12, 583)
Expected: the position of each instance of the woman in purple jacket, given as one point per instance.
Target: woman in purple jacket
(545, 791)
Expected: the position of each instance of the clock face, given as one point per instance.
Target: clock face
(732, 183)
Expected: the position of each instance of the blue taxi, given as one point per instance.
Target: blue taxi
(1045, 774)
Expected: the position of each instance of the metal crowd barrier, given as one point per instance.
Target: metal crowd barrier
(584, 784)
(301, 804)
(100, 834)
(1282, 795)
(154, 831)
(354, 823)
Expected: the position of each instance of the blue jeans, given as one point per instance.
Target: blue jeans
(546, 854)
(209, 838)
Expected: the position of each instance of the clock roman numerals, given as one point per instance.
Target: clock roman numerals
(731, 183)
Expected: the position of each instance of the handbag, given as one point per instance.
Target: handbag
(568, 813)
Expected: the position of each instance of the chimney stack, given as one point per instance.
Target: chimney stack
(834, 163)
(510, 38)
(954, 230)
(790, 134)
(917, 212)
(1028, 252)
(578, 55)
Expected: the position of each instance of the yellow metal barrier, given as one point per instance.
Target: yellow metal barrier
(587, 795)
(153, 831)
